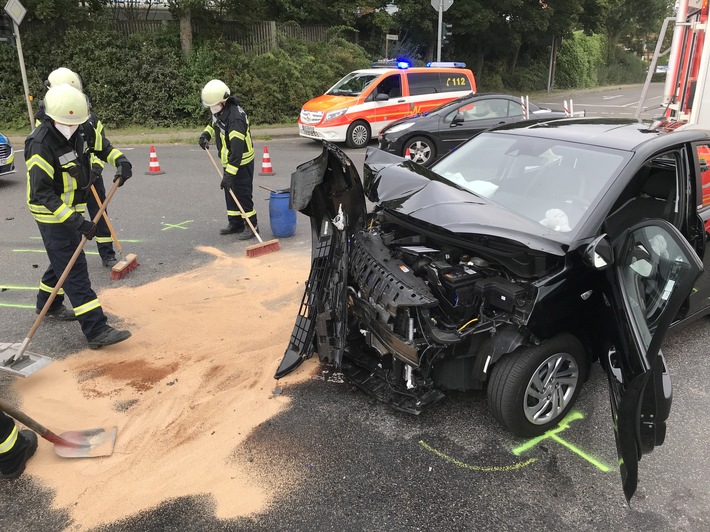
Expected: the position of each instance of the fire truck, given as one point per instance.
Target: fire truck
(686, 94)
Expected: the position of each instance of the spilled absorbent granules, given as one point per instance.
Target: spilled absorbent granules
(184, 391)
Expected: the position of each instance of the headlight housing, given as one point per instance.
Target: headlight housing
(335, 114)
(399, 127)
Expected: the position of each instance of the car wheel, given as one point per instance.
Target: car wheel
(421, 150)
(358, 135)
(533, 388)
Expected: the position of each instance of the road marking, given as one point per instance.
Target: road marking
(176, 226)
(552, 434)
(11, 305)
(122, 240)
(12, 287)
(612, 97)
(44, 251)
(464, 465)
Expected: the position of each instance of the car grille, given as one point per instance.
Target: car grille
(311, 117)
(5, 151)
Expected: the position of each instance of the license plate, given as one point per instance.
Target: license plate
(309, 130)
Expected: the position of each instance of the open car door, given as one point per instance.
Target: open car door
(654, 271)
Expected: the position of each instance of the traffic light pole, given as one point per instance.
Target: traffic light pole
(21, 57)
(441, 21)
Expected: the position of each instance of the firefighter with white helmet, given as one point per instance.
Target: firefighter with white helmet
(104, 241)
(57, 156)
(230, 131)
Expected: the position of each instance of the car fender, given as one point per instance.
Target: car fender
(506, 340)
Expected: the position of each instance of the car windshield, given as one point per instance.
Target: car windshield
(552, 182)
(353, 84)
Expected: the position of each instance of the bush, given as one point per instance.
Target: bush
(579, 60)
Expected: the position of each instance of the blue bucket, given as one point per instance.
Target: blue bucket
(281, 216)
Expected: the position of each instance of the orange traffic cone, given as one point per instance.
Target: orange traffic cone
(408, 154)
(153, 164)
(266, 168)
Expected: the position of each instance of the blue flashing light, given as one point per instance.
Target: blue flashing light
(403, 64)
(446, 64)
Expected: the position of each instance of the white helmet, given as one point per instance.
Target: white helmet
(64, 75)
(66, 105)
(214, 92)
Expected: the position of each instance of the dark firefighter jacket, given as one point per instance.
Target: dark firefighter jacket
(230, 131)
(58, 170)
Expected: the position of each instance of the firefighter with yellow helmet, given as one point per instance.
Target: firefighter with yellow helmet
(104, 241)
(230, 131)
(57, 155)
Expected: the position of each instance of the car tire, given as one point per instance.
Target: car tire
(518, 377)
(422, 150)
(358, 135)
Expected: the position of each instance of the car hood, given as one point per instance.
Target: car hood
(328, 102)
(411, 190)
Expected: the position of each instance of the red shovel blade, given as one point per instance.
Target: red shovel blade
(83, 443)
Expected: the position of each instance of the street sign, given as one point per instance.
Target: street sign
(391, 37)
(446, 4)
(16, 11)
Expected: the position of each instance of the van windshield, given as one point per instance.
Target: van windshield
(353, 84)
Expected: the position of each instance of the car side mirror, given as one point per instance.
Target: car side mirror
(382, 97)
(458, 119)
(599, 254)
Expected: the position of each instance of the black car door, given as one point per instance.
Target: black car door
(654, 271)
(470, 119)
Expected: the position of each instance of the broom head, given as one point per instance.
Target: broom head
(124, 266)
(263, 248)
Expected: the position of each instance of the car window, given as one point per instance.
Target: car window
(702, 152)
(353, 84)
(423, 83)
(515, 109)
(479, 110)
(552, 182)
(391, 86)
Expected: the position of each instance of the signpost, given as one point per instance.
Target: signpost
(17, 12)
(440, 6)
(389, 37)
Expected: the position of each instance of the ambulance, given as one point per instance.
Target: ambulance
(357, 107)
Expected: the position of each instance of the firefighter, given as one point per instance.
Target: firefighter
(16, 447)
(230, 130)
(104, 240)
(57, 158)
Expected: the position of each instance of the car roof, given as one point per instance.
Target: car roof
(617, 133)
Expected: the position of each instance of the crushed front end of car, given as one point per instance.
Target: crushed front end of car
(408, 300)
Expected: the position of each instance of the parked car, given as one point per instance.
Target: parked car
(429, 136)
(7, 156)
(513, 263)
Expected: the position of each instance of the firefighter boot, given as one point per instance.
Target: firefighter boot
(231, 229)
(109, 336)
(248, 234)
(14, 461)
(60, 313)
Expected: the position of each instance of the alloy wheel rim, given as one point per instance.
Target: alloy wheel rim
(359, 135)
(420, 152)
(551, 388)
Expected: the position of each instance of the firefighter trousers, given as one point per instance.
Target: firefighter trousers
(242, 188)
(60, 242)
(9, 457)
(104, 241)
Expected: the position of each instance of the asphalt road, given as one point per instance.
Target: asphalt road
(366, 467)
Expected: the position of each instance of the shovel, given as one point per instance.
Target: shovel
(73, 443)
(13, 357)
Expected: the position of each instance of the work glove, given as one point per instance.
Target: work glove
(204, 141)
(227, 182)
(123, 172)
(88, 229)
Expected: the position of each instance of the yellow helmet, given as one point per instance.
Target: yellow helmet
(214, 92)
(66, 105)
(64, 75)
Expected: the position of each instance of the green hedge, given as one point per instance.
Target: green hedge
(145, 80)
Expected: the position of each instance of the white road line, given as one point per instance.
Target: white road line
(612, 97)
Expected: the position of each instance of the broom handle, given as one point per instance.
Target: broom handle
(64, 275)
(106, 219)
(235, 199)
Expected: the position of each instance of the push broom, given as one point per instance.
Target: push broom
(262, 248)
(128, 263)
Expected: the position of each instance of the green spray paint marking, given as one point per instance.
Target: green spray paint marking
(122, 240)
(43, 251)
(12, 287)
(553, 434)
(11, 305)
(176, 226)
(464, 465)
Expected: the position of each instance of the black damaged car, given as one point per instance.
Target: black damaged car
(512, 264)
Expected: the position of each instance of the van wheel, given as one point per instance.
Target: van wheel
(532, 389)
(421, 149)
(358, 135)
